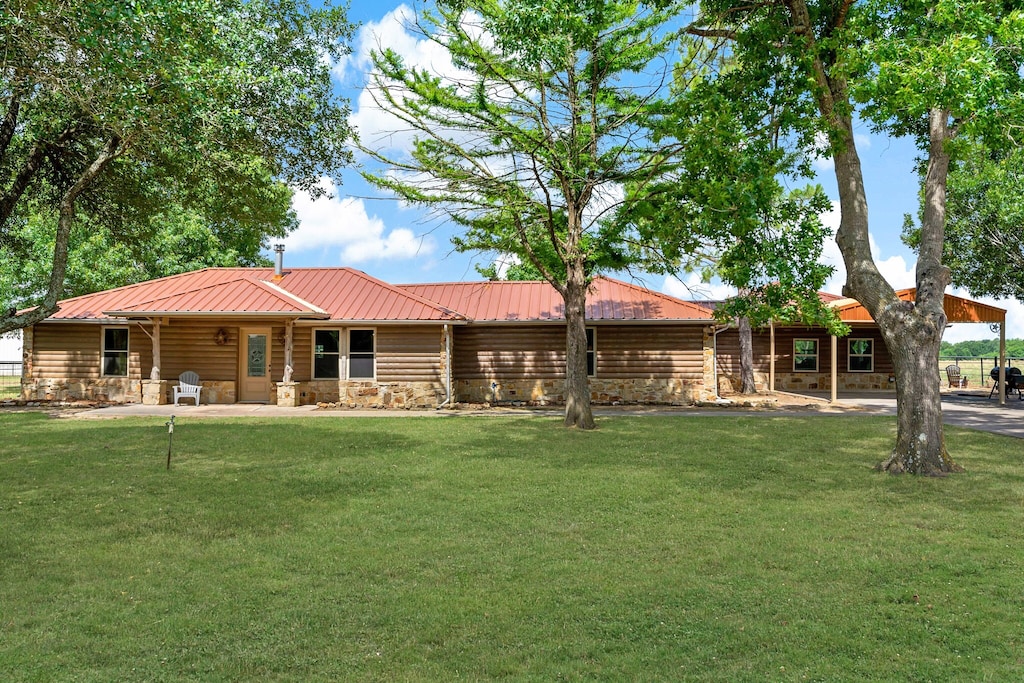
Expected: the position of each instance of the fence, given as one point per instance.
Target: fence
(976, 369)
(10, 378)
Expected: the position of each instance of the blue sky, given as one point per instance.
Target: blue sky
(359, 228)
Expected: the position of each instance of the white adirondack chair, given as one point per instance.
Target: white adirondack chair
(188, 387)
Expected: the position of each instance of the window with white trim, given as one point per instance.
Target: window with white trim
(805, 355)
(860, 355)
(115, 352)
(591, 352)
(361, 354)
(326, 354)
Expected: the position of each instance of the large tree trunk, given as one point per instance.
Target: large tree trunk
(577, 386)
(747, 385)
(912, 330)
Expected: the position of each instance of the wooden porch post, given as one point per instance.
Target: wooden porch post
(289, 326)
(1002, 362)
(835, 370)
(154, 374)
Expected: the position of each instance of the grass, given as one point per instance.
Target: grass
(420, 549)
(10, 387)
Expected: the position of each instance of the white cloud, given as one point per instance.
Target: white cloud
(824, 162)
(397, 31)
(331, 222)
(692, 288)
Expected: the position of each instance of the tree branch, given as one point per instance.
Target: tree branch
(49, 306)
(33, 162)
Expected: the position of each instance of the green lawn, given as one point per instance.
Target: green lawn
(421, 549)
(10, 387)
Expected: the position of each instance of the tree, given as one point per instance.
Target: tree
(117, 112)
(529, 147)
(153, 232)
(985, 230)
(561, 142)
(929, 70)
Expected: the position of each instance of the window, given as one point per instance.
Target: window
(861, 356)
(591, 353)
(326, 354)
(360, 354)
(805, 355)
(115, 351)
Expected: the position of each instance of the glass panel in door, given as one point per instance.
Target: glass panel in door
(257, 363)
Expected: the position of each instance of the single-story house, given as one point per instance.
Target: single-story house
(336, 335)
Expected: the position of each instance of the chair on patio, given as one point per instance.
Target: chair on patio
(955, 378)
(188, 387)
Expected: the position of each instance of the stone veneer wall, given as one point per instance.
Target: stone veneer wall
(608, 391)
(106, 389)
(115, 390)
(214, 391)
(847, 381)
(370, 394)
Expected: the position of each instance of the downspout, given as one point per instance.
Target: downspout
(448, 367)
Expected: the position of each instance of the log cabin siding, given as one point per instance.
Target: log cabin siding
(786, 378)
(70, 351)
(649, 352)
(727, 350)
(409, 354)
(785, 336)
(538, 352)
(302, 353)
(510, 353)
(193, 346)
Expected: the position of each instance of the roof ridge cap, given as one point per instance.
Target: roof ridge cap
(281, 290)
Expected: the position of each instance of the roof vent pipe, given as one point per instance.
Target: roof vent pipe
(279, 267)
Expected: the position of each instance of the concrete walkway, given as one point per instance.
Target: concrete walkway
(973, 410)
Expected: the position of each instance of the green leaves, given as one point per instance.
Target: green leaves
(541, 126)
(961, 55)
(197, 99)
(985, 227)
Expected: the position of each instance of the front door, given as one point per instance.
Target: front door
(254, 365)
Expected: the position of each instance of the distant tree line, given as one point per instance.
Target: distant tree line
(982, 348)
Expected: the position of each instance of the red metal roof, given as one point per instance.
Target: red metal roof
(340, 293)
(242, 296)
(345, 294)
(608, 299)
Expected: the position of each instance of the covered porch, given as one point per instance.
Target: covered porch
(957, 309)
